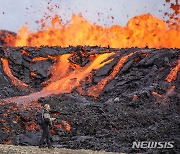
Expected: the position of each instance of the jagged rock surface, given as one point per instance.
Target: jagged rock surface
(125, 111)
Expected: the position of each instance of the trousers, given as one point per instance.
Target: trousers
(45, 138)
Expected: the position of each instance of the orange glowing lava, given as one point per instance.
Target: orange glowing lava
(140, 31)
(39, 59)
(64, 82)
(25, 53)
(15, 81)
(173, 74)
(67, 125)
(31, 126)
(156, 95)
(95, 90)
(59, 126)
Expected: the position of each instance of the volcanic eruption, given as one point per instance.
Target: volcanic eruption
(108, 86)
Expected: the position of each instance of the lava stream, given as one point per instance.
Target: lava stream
(66, 82)
(7, 70)
(173, 74)
(96, 90)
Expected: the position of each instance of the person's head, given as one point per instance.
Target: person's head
(47, 107)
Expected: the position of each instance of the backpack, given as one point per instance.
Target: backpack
(40, 117)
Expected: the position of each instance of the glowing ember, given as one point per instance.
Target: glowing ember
(33, 74)
(156, 95)
(164, 98)
(16, 118)
(135, 98)
(25, 53)
(39, 59)
(31, 126)
(56, 114)
(141, 56)
(6, 129)
(67, 125)
(59, 126)
(52, 131)
(173, 74)
(5, 114)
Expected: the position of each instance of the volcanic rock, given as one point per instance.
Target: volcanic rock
(139, 101)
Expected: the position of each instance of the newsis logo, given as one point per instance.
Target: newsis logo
(152, 145)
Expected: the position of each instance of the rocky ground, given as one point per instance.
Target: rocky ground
(138, 104)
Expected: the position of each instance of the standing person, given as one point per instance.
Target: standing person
(47, 123)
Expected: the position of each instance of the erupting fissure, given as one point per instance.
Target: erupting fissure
(117, 72)
(140, 31)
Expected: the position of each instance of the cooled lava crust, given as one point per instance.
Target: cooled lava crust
(104, 100)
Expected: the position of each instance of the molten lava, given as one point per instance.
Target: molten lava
(140, 31)
(8, 72)
(31, 126)
(65, 76)
(69, 80)
(96, 90)
(67, 125)
(173, 74)
(39, 59)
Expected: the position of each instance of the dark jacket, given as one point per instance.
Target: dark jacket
(47, 118)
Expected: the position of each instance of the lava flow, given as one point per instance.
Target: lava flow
(173, 74)
(99, 81)
(63, 80)
(140, 31)
(7, 70)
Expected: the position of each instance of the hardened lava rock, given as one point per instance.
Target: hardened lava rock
(139, 102)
